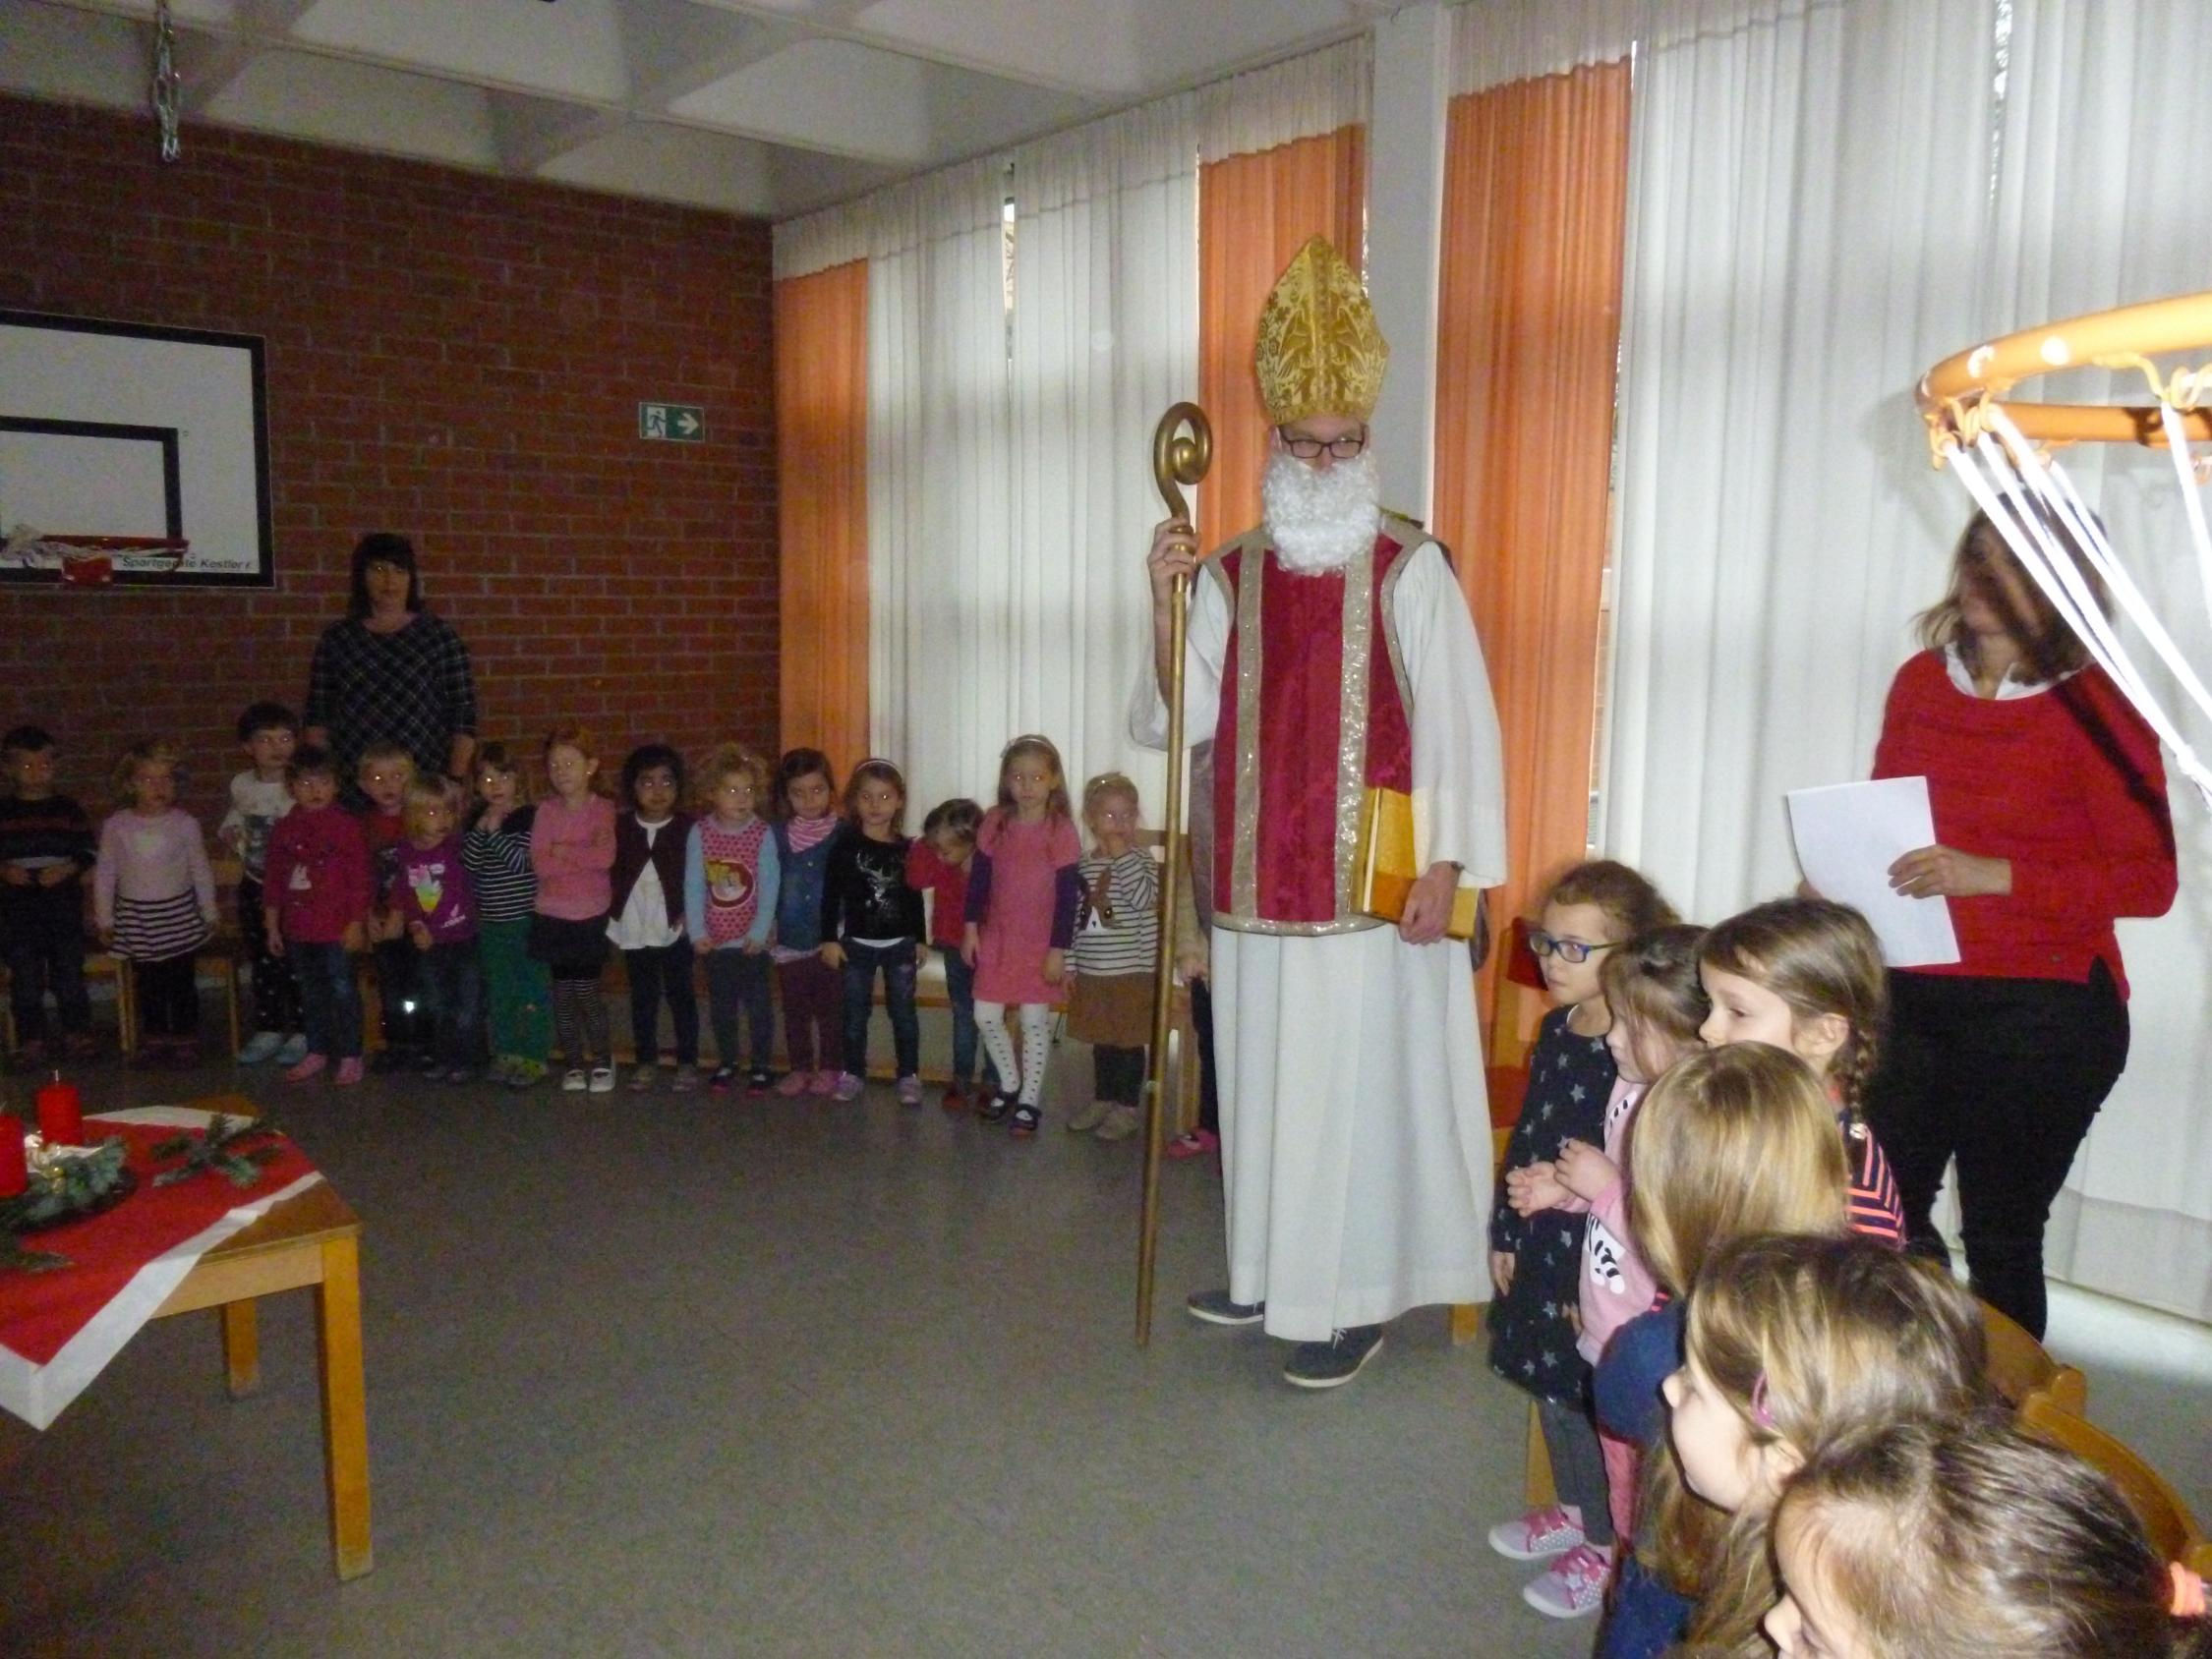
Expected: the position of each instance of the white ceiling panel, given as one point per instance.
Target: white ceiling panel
(360, 106)
(759, 107)
(50, 52)
(573, 48)
(679, 163)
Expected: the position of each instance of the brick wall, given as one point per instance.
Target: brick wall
(456, 357)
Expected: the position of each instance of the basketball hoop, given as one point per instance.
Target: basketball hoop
(88, 561)
(1990, 442)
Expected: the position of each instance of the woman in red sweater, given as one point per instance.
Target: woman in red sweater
(2050, 808)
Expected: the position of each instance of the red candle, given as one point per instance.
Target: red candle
(14, 1174)
(61, 1113)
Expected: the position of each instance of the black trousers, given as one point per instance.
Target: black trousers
(2005, 1075)
(657, 972)
(1210, 1086)
(1117, 1073)
(168, 997)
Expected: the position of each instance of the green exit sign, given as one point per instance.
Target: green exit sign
(673, 423)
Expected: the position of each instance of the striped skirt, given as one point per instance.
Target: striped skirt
(152, 930)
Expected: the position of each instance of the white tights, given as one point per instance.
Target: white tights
(1036, 1044)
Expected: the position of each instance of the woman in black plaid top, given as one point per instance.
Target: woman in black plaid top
(391, 672)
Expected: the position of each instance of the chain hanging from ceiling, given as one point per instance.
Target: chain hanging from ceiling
(165, 83)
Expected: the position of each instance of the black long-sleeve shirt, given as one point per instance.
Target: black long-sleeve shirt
(865, 891)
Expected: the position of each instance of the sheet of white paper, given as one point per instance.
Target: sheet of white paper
(1848, 836)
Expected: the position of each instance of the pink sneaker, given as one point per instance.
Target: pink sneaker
(791, 1083)
(308, 1067)
(1575, 1587)
(349, 1072)
(1539, 1534)
(822, 1083)
(1196, 1144)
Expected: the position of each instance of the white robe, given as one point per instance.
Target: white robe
(1355, 1126)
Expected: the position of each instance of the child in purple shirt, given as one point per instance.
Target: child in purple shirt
(430, 889)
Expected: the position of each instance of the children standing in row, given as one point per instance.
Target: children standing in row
(430, 889)
(872, 920)
(1021, 900)
(1116, 943)
(314, 910)
(648, 921)
(812, 990)
(269, 733)
(154, 900)
(45, 850)
(732, 883)
(495, 852)
(572, 852)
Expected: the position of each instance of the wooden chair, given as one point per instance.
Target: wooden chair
(2173, 1530)
(98, 965)
(2020, 1367)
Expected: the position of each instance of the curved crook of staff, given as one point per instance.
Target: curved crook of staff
(1177, 459)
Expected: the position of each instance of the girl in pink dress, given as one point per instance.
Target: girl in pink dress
(1022, 894)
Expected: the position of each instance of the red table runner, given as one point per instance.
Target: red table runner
(59, 1329)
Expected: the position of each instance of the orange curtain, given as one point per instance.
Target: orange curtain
(1536, 186)
(1254, 212)
(822, 440)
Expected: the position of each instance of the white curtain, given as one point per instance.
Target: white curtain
(2097, 206)
(1009, 459)
(1827, 196)
(1300, 97)
(1496, 41)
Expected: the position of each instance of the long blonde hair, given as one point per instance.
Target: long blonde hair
(1809, 1339)
(1820, 957)
(1732, 1141)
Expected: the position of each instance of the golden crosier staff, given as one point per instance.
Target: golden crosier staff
(1177, 460)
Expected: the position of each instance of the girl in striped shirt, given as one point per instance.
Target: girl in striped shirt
(1117, 942)
(1806, 975)
(495, 852)
(153, 899)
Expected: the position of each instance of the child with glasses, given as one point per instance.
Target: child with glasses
(1535, 1260)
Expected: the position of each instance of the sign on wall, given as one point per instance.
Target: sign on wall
(142, 449)
(673, 423)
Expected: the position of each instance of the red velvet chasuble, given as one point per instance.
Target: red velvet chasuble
(1314, 710)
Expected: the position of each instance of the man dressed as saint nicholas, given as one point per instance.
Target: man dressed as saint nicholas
(1330, 651)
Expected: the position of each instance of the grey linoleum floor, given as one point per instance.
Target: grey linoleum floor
(682, 1375)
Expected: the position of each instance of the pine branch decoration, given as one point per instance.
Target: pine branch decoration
(224, 1147)
(57, 1191)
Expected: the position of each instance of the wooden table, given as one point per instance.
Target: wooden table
(314, 1240)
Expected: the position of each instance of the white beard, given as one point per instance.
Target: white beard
(1318, 521)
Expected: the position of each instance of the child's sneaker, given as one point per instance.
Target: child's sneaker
(573, 1081)
(526, 1074)
(643, 1077)
(261, 1048)
(823, 1083)
(1121, 1122)
(350, 1071)
(1539, 1534)
(793, 1083)
(1196, 1144)
(723, 1081)
(909, 1090)
(294, 1051)
(686, 1079)
(848, 1087)
(602, 1080)
(1088, 1117)
(757, 1085)
(955, 1097)
(309, 1066)
(1575, 1587)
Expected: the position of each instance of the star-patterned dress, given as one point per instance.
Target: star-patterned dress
(1532, 1329)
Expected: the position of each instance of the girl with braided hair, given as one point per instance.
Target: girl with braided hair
(1806, 975)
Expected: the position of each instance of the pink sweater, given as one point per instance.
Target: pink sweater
(572, 850)
(1616, 1285)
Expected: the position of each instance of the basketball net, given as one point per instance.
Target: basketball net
(2030, 498)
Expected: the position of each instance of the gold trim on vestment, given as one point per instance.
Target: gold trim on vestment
(1409, 536)
(1244, 856)
(1352, 721)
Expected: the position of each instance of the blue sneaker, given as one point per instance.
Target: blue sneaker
(261, 1048)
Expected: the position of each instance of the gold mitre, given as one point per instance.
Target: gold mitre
(1319, 351)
